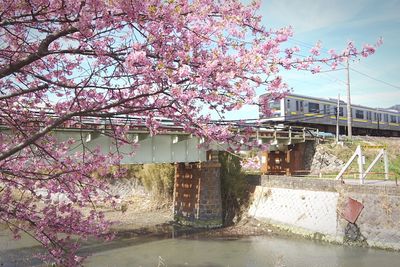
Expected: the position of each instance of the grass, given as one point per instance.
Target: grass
(392, 146)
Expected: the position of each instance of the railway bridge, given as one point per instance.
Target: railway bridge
(197, 187)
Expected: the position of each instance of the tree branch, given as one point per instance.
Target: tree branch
(41, 52)
(22, 92)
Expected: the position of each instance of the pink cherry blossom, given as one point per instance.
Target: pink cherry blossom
(76, 64)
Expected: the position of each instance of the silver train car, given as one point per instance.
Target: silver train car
(321, 113)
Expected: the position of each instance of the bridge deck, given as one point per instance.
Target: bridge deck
(171, 145)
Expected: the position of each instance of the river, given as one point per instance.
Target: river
(194, 250)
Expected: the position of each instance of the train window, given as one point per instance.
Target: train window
(297, 105)
(392, 118)
(275, 104)
(288, 104)
(369, 115)
(386, 117)
(340, 111)
(327, 109)
(301, 106)
(313, 107)
(380, 116)
(375, 116)
(275, 107)
(359, 114)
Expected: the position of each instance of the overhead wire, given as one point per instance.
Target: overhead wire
(375, 79)
(305, 44)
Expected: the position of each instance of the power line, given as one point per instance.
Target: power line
(376, 79)
(308, 45)
(325, 72)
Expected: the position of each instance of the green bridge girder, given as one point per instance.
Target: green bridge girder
(170, 147)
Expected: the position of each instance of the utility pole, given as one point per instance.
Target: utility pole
(349, 116)
(337, 119)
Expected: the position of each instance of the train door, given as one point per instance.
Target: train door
(301, 106)
(288, 106)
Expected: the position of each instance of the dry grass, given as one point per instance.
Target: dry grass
(346, 151)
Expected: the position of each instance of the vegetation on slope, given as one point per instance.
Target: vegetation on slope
(370, 148)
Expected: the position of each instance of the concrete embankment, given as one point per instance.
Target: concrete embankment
(315, 208)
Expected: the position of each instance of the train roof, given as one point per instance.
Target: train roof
(334, 101)
(395, 107)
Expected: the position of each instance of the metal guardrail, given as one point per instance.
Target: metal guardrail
(361, 161)
(331, 176)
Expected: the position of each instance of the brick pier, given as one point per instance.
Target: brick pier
(197, 194)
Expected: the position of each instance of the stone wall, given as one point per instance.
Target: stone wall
(324, 162)
(314, 207)
(197, 194)
(309, 152)
(379, 221)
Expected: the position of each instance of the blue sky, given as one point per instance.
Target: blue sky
(335, 22)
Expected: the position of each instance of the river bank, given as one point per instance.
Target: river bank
(146, 234)
(147, 217)
(142, 219)
(141, 214)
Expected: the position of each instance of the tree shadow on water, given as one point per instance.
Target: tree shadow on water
(25, 256)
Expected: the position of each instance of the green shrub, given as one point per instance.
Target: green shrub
(129, 171)
(233, 186)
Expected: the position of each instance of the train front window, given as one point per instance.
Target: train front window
(313, 107)
(392, 119)
(275, 104)
(275, 107)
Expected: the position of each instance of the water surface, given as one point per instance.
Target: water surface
(253, 251)
(193, 250)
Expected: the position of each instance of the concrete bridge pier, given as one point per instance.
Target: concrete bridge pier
(197, 193)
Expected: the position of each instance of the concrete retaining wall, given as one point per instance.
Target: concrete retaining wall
(314, 208)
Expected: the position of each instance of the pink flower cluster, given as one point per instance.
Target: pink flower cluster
(64, 61)
(251, 164)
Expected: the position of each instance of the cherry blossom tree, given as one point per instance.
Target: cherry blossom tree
(63, 61)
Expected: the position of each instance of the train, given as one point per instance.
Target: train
(321, 113)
